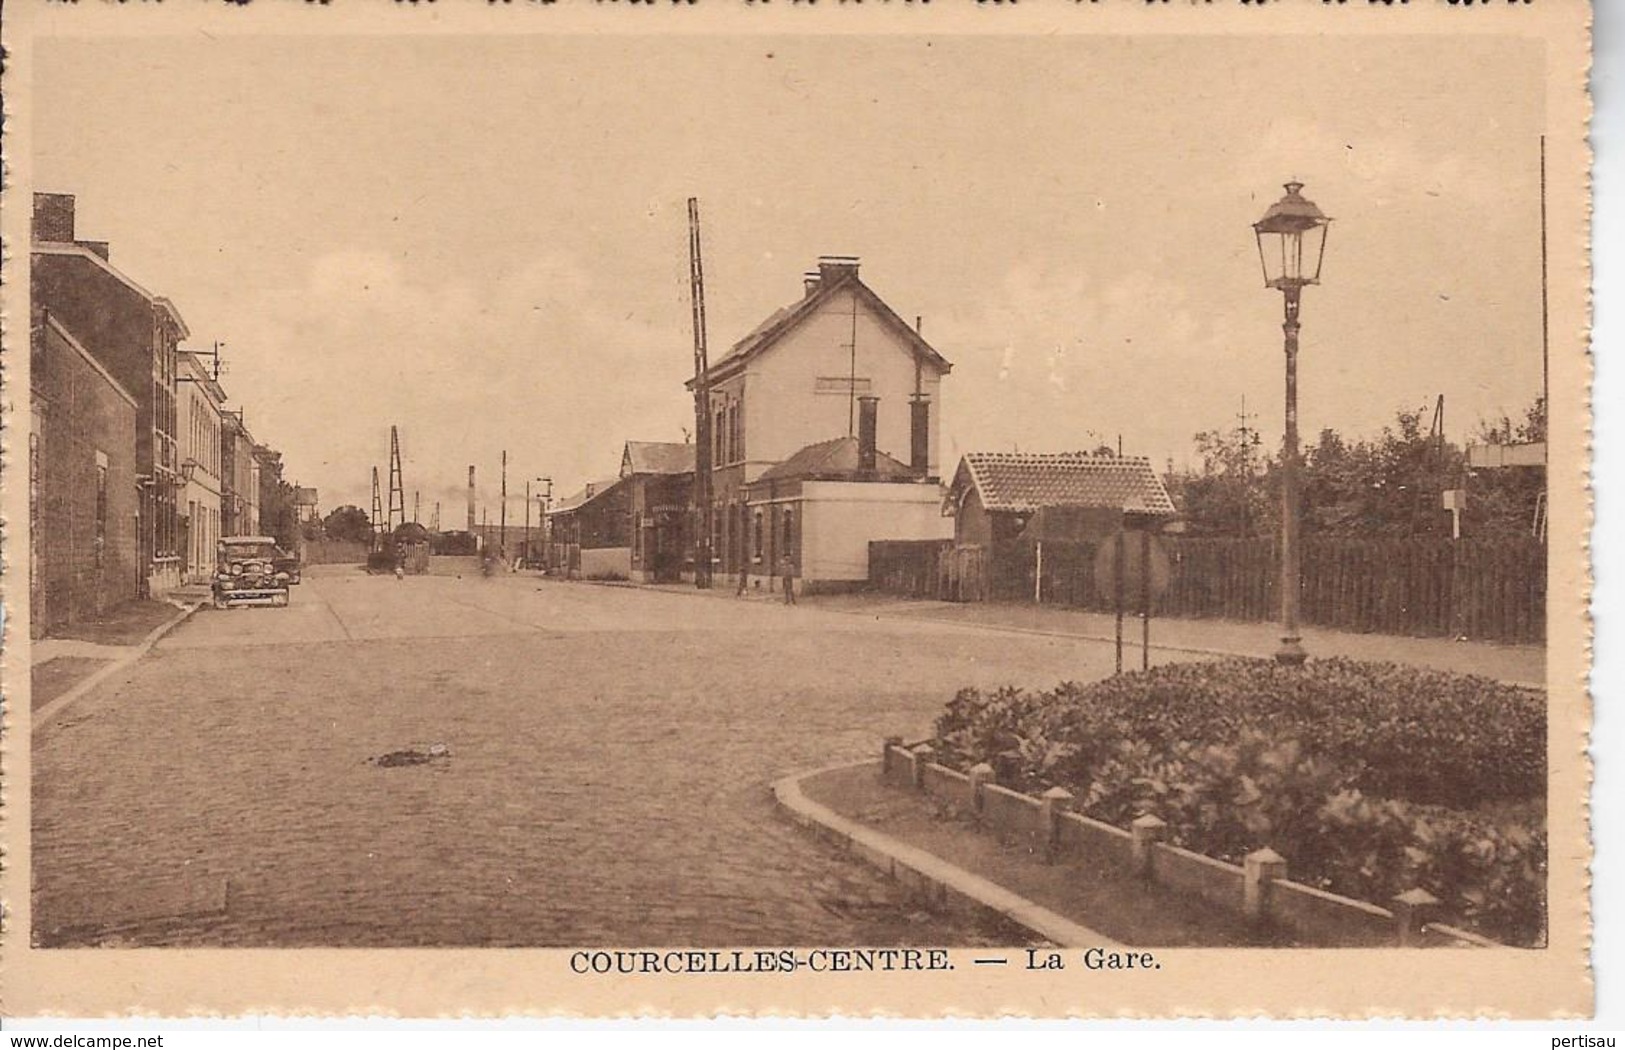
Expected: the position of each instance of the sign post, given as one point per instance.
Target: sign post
(1147, 572)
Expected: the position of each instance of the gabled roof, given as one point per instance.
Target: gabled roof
(1026, 481)
(657, 457)
(79, 251)
(836, 459)
(591, 491)
(786, 319)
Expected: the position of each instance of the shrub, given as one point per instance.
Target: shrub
(1426, 736)
(1365, 776)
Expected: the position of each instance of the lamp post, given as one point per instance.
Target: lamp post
(1291, 245)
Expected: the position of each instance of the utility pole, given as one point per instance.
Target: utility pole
(544, 497)
(377, 511)
(1249, 438)
(502, 514)
(702, 404)
(415, 507)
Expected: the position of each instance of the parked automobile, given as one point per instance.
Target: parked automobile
(246, 573)
(288, 563)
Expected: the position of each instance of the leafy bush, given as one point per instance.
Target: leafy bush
(1365, 776)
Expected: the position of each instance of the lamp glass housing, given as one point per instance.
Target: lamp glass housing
(1292, 240)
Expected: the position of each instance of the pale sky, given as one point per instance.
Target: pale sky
(484, 240)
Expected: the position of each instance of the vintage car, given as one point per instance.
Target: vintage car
(246, 573)
(288, 563)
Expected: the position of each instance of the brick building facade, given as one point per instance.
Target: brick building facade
(82, 488)
(134, 335)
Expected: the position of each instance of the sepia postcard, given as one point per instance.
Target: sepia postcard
(795, 509)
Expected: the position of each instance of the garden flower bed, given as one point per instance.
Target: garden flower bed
(1370, 778)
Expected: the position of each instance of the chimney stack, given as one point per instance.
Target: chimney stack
(471, 497)
(53, 217)
(837, 267)
(919, 434)
(868, 410)
(809, 281)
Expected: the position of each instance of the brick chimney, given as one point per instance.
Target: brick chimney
(868, 411)
(470, 497)
(836, 267)
(53, 217)
(919, 434)
(810, 281)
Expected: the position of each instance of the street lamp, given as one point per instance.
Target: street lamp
(1291, 245)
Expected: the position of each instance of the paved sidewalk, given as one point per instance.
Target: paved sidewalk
(1518, 664)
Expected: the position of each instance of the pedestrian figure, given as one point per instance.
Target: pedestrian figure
(787, 579)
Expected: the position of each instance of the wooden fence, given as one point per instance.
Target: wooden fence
(1483, 590)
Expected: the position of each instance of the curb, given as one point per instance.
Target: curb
(940, 882)
(39, 719)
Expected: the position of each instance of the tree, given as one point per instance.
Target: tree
(1229, 494)
(1390, 486)
(348, 523)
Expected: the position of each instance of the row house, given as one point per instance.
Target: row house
(136, 467)
(589, 532)
(796, 391)
(239, 478)
(203, 404)
(659, 478)
(134, 335)
(82, 494)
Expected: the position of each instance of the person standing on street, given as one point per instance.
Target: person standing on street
(787, 578)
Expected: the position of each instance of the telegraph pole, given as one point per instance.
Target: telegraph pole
(702, 404)
(502, 542)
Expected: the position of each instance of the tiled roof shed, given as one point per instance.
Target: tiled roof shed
(1027, 481)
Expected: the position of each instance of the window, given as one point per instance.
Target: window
(756, 539)
(787, 549)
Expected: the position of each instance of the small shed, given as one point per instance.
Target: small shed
(410, 545)
(996, 496)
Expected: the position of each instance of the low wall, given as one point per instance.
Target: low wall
(334, 552)
(605, 563)
(1260, 890)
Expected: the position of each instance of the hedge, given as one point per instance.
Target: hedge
(1371, 778)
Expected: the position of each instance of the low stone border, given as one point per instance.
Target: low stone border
(39, 719)
(1259, 890)
(941, 884)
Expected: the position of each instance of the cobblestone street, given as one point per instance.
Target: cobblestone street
(610, 751)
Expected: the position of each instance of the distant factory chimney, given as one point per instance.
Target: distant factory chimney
(471, 497)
